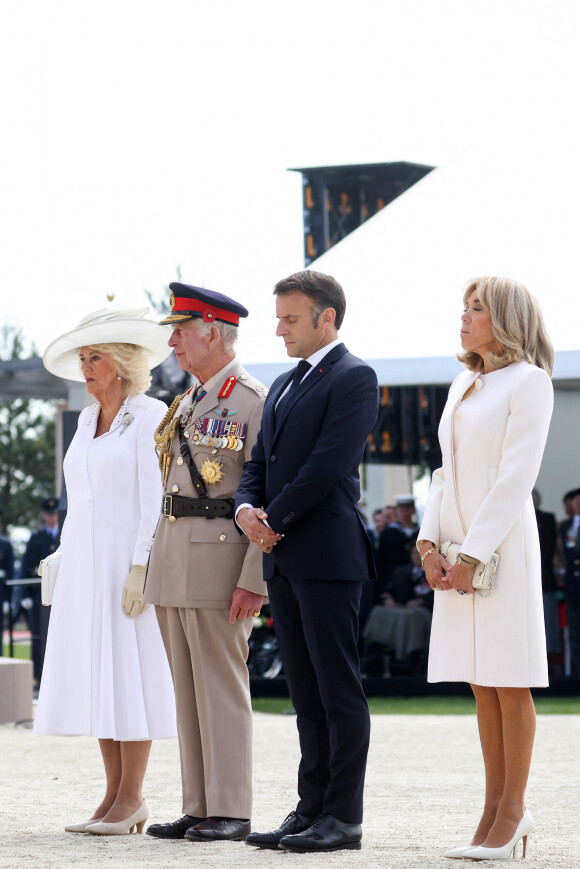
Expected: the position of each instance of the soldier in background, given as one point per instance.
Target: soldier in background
(41, 543)
(6, 572)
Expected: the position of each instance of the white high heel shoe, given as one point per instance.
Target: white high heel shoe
(457, 853)
(81, 828)
(120, 828)
(506, 851)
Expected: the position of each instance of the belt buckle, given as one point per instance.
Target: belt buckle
(168, 508)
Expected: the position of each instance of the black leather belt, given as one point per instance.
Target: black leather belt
(178, 506)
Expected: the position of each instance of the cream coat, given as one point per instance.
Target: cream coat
(496, 437)
(105, 673)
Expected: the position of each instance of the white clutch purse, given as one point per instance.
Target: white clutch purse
(484, 575)
(48, 572)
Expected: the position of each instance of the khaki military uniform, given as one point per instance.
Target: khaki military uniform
(194, 567)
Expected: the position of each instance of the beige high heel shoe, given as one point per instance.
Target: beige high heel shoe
(81, 828)
(120, 828)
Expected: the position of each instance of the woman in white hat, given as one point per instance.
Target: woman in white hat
(105, 669)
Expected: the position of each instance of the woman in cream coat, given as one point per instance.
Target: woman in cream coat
(492, 434)
(105, 670)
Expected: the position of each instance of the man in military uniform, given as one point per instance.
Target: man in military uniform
(41, 543)
(203, 577)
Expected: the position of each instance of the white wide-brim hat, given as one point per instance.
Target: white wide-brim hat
(109, 325)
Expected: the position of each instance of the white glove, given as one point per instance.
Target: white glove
(133, 603)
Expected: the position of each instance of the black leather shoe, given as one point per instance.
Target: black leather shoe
(293, 823)
(174, 830)
(325, 834)
(218, 829)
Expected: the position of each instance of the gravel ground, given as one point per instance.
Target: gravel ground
(423, 794)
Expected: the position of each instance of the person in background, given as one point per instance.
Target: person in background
(397, 631)
(567, 505)
(105, 670)
(41, 543)
(492, 435)
(6, 573)
(378, 524)
(405, 515)
(392, 550)
(547, 532)
(570, 543)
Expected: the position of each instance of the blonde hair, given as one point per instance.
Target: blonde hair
(516, 322)
(131, 363)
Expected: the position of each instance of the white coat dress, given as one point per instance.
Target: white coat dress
(106, 674)
(497, 435)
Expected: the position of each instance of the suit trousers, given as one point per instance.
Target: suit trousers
(316, 623)
(208, 657)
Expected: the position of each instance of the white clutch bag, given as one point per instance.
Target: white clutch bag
(48, 572)
(484, 575)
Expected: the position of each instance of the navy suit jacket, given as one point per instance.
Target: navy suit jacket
(304, 470)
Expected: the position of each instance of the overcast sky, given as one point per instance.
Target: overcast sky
(139, 135)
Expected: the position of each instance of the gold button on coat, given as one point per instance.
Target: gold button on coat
(223, 538)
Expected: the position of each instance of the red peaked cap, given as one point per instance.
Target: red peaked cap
(189, 303)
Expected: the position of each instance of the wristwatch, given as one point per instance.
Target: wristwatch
(466, 560)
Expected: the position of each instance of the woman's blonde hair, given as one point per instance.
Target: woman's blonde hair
(131, 363)
(516, 322)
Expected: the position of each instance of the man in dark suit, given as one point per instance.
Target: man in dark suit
(297, 501)
(41, 543)
(570, 536)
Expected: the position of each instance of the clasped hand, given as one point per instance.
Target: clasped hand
(443, 576)
(251, 521)
(460, 577)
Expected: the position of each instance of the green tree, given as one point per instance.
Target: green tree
(27, 445)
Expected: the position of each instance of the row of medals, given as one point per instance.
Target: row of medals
(224, 441)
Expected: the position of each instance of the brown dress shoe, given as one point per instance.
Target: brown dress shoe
(219, 829)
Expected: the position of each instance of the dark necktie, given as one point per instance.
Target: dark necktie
(299, 372)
